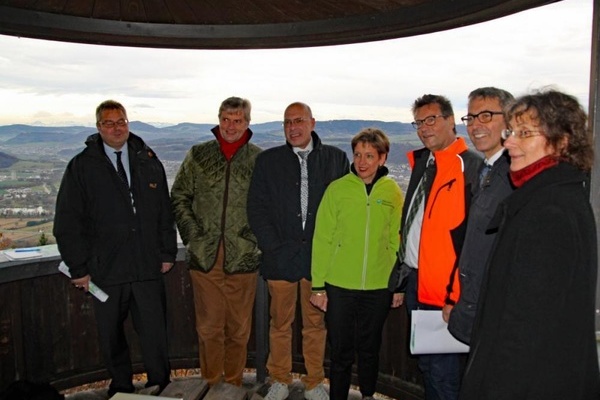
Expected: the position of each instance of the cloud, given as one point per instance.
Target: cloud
(377, 80)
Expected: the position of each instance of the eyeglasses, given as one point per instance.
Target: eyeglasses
(484, 117)
(524, 134)
(111, 124)
(295, 121)
(429, 121)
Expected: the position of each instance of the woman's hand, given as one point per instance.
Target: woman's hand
(319, 300)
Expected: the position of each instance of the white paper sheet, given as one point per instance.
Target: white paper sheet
(23, 254)
(429, 334)
(94, 290)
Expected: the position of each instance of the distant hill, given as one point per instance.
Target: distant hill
(173, 142)
(30, 133)
(6, 160)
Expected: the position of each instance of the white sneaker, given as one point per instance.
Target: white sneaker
(277, 391)
(316, 393)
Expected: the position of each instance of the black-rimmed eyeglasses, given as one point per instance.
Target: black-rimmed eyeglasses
(484, 117)
(429, 121)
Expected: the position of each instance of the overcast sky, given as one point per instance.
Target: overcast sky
(54, 83)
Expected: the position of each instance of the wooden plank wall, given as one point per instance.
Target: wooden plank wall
(48, 333)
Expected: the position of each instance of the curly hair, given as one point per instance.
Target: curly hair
(562, 117)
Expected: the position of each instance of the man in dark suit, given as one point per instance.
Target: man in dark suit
(485, 122)
(114, 225)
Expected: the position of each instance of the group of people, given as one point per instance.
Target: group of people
(503, 245)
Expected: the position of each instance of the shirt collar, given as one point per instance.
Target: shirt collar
(111, 150)
(309, 147)
(494, 158)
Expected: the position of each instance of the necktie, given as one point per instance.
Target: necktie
(303, 184)
(484, 175)
(121, 170)
(420, 196)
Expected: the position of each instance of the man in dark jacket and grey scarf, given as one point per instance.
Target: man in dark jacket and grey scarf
(114, 225)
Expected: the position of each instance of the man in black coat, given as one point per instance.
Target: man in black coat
(114, 226)
(285, 233)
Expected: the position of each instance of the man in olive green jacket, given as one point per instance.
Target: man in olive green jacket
(209, 202)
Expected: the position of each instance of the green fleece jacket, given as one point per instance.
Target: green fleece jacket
(357, 234)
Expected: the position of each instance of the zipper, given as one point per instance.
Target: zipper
(366, 249)
(224, 211)
(449, 184)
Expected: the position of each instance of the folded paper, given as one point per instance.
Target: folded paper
(429, 334)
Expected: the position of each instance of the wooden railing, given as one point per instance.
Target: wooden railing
(48, 332)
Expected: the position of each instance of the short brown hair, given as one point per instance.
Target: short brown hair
(373, 136)
(109, 105)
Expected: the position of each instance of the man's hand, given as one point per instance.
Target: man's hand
(166, 267)
(446, 312)
(82, 283)
(397, 300)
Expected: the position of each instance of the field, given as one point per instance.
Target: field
(24, 232)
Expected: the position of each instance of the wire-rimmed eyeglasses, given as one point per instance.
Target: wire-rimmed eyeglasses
(111, 124)
(484, 117)
(524, 134)
(295, 121)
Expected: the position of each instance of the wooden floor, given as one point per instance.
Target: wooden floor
(195, 388)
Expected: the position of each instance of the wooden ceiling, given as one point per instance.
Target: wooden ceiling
(250, 24)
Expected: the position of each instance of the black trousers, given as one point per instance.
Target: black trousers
(146, 301)
(354, 322)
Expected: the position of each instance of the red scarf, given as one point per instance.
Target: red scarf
(521, 176)
(229, 149)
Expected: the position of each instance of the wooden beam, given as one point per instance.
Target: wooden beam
(594, 123)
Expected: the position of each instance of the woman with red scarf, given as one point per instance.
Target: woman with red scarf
(534, 335)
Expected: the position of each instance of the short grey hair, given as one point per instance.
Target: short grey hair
(236, 103)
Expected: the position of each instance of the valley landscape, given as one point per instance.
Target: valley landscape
(33, 159)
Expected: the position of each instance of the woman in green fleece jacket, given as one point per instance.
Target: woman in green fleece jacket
(354, 249)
